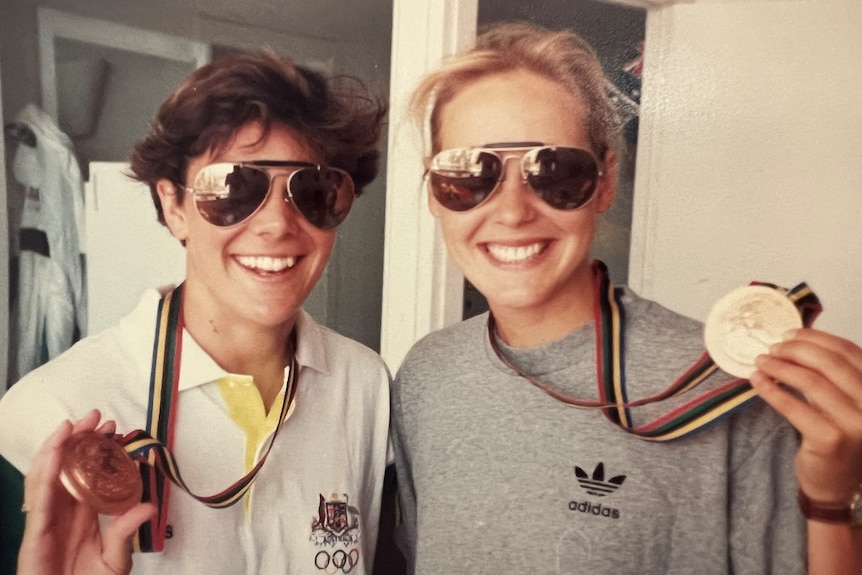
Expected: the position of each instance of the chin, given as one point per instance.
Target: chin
(514, 301)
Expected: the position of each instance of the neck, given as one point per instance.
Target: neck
(529, 327)
(242, 347)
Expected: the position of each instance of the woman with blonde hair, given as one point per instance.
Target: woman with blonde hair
(497, 472)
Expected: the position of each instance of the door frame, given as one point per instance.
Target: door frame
(422, 288)
(54, 24)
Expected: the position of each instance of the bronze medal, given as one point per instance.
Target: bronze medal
(97, 471)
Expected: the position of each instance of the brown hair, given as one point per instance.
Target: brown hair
(337, 116)
(561, 56)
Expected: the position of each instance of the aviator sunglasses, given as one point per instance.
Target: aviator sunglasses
(227, 193)
(462, 178)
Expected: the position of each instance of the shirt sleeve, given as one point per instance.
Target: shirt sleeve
(768, 533)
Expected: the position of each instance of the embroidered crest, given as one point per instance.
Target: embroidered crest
(337, 522)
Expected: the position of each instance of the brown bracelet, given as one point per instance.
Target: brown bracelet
(823, 512)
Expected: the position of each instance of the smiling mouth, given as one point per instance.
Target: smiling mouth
(516, 254)
(267, 264)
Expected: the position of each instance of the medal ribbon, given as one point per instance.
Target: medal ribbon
(152, 446)
(610, 371)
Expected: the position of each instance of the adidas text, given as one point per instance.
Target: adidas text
(598, 510)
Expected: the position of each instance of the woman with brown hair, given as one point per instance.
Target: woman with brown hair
(252, 164)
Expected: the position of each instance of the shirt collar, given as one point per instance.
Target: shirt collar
(198, 368)
(310, 342)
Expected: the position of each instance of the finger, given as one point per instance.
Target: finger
(827, 432)
(45, 470)
(845, 347)
(40, 480)
(824, 376)
(108, 428)
(837, 358)
(829, 452)
(812, 347)
(824, 394)
(40, 486)
(829, 420)
(117, 539)
(81, 525)
(88, 422)
(823, 431)
(802, 415)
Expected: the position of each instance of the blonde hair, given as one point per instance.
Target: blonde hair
(561, 56)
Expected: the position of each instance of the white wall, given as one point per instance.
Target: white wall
(750, 154)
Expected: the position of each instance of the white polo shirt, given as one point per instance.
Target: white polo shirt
(314, 506)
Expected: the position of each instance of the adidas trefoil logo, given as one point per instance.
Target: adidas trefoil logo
(596, 485)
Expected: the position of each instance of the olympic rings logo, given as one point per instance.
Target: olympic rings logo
(340, 560)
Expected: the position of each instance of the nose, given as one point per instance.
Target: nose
(278, 214)
(513, 200)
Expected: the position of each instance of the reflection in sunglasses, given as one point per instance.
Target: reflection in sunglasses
(227, 194)
(564, 177)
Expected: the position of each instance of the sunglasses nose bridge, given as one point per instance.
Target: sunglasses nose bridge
(513, 198)
(504, 161)
(277, 184)
(287, 195)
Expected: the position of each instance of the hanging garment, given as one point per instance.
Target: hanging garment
(51, 298)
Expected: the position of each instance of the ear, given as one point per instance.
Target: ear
(607, 185)
(172, 208)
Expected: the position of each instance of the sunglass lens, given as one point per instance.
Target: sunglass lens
(323, 195)
(564, 177)
(226, 194)
(462, 178)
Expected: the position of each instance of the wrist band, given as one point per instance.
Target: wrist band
(823, 512)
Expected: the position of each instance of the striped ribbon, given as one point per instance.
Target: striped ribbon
(693, 415)
(610, 370)
(152, 446)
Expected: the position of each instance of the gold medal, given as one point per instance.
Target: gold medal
(744, 323)
(97, 471)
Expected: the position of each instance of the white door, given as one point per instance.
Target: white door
(127, 250)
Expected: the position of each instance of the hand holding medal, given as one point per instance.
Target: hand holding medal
(814, 379)
(62, 534)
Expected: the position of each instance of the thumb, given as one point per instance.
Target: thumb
(116, 542)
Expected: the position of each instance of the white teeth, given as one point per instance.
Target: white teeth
(510, 254)
(267, 264)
